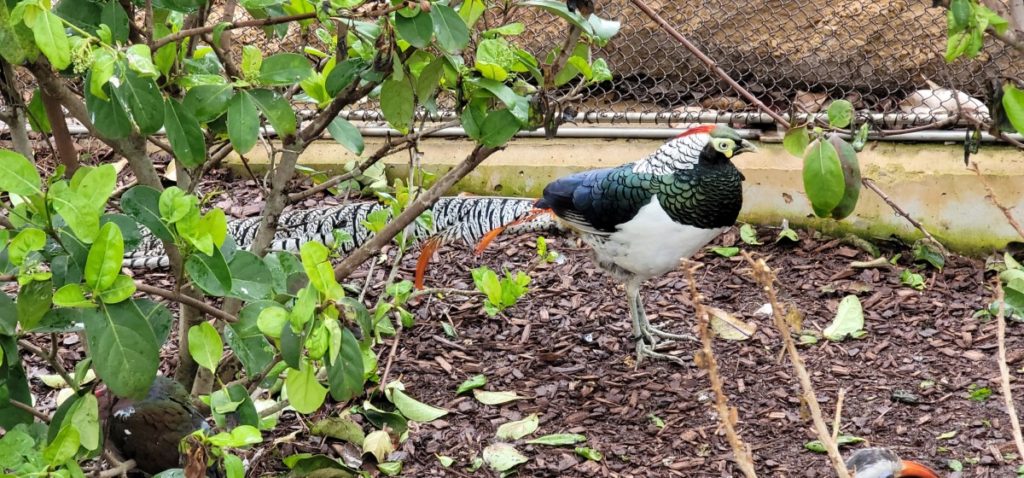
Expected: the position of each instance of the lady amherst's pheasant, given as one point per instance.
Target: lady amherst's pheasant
(641, 218)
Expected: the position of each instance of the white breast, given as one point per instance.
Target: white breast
(652, 243)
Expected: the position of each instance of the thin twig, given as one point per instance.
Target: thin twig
(50, 360)
(1004, 370)
(839, 414)
(119, 469)
(385, 150)
(391, 356)
(726, 414)
(186, 300)
(995, 200)
(766, 278)
(868, 183)
(277, 407)
(30, 409)
(263, 22)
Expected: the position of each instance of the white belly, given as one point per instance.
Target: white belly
(652, 243)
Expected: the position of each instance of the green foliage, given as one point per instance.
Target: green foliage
(912, 279)
(978, 394)
(500, 293)
(966, 22)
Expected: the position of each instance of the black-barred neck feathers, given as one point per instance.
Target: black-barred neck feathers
(703, 145)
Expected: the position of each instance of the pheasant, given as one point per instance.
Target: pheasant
(149, 430)
(884, 463)
(641, 218)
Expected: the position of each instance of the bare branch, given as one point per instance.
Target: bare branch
(995, 200)
(30, 409)
(1004, 370)
(766, 278)
(868, 183)
(186, 300)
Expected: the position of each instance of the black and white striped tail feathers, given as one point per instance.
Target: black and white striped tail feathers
(461, 218)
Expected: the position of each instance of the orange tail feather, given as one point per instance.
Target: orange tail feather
(426, 253)
(494, 233)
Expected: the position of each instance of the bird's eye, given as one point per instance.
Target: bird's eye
(723, 144)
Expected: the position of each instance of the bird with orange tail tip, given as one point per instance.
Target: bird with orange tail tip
(885, 463)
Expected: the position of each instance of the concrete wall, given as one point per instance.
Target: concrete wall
(928, 180)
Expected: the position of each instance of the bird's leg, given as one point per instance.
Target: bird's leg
(645, 342)
(648, 329)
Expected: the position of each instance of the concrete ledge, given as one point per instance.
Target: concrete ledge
(928, 180)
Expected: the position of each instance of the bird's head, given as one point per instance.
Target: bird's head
(884, 463)
(723, 143)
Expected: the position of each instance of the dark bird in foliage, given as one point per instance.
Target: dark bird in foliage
(884, 463)
(149, 430)
(584, 7)
(641, 218)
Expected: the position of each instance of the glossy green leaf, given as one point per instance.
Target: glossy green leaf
(429, 79)
(129, 229)
(210, 273)
(238, 437)
(48, 32)
(413, 409)
(207, 102)
(397, 103)
(494, 398)
(417, 30)
(271, 320)
(63, 447)
(205, 345)
(346, 134)
(71, 295)
(316, 263)
(28, 240)
(343, 74)
(285, 69)
(250, 277)
(102, 70)
(823, 177)
(142, 203)
(252, 60)
(84, 416)
(184, 134)
(499, 127)
(589, 453)
(851, 177)
(145, 103)
(109, 116)
(840, 113)
(475, 381)
(175, 204)
(17, 174)
(305, 393)
(105, 256)
(37, 114)
(796, 141)
(124, 348)
(471, 10)
(277, 110)
(140, 60)
(246, 340)
(34, 301)
(345, 372)
(452, 33)
(116, 19)
(243, 122)
(8, 316)
(518, 105)
(1013, 105)
(122, 288)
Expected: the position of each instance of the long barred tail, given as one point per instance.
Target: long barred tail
(465, 219)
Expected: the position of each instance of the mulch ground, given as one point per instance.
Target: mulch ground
(566, 348)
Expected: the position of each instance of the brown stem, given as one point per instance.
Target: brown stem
(995, 200)
(385, 150)
(766, 278)
(391, 356)
(61, 136)
(1004, 370)
(244, 24)
(726, 414)
(186, 300)
(412, 211)
(50, 358)
(17, 119)
(868, 183)
(28, 408)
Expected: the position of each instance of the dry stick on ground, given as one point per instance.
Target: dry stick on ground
(186, 300)
(726, 414)
(1004, 370)
(766, 278)
(839, 413)
(995, 200)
